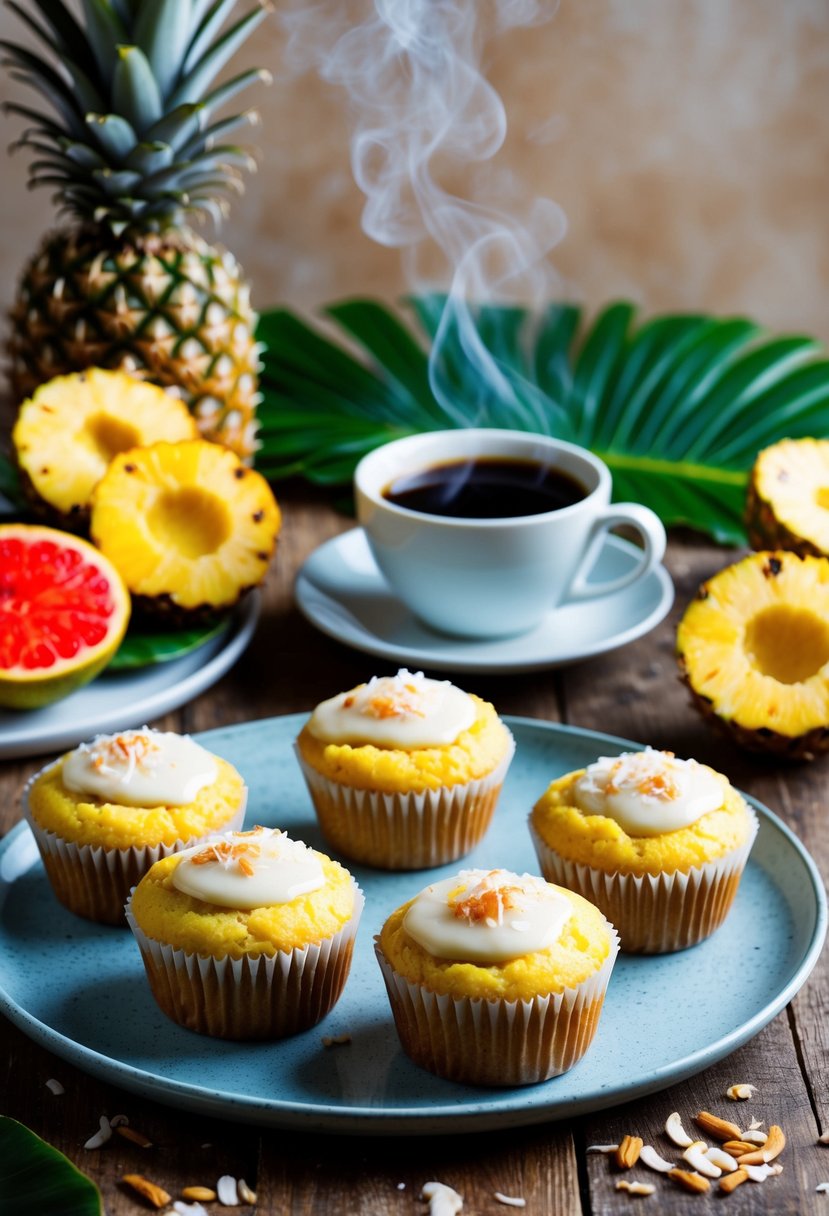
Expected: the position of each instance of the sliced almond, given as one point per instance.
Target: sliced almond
(721, 1158)
(650, 1157)
(627, 1154)
(731, 1181)
(694, 1154)
(738, 1148)
(720, 1129)
(690, 1181)
(739, 1093)
(134, 1137)
(155, 1195)
(773, 1147)
(635, 1188)
(199, 1194)
(676, 1132)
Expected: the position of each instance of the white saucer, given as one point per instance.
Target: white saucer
(341, 591)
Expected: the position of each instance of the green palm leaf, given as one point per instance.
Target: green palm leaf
(678, 406)
(37, 1180)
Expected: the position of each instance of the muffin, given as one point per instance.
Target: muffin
(246, 936)
(658, 843)
(496, 978)
(103, 813)
(404, 772)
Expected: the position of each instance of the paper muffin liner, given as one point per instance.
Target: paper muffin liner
(405, 831)
(497, 1042)
(94, 881)
(655, 913)
(255, 997)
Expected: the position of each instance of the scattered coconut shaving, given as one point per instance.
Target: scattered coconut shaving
(336, 1040)
(635, 1188)
(601, 1148)
(55, 1086)
(227, 1191)
(103, 1134)
(740, 1093)
(443, 1201)
(189, 1209)
(824, 1187)
(823, 1138)
(510, 1201)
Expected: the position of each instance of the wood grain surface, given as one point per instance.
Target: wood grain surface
(634, 693)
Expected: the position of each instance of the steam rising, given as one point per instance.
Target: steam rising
(422, 110)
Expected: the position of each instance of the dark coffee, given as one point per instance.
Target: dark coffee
(486, 488)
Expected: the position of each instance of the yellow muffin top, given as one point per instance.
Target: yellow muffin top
(476, 752)
(601, 842)
(168, 915)
(580, 950)
(86, 820)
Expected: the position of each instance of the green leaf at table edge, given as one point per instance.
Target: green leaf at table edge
(146, 648)
(653, 399)
(38, 1180)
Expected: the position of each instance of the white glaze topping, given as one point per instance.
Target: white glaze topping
(402, 711)
(140, 768)
(487, 916)
(648, 792)
(249, 870)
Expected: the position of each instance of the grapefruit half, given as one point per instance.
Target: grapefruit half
(63, 612)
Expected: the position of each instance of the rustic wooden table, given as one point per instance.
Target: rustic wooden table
(634, 693)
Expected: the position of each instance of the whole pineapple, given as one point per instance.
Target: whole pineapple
(129, 140)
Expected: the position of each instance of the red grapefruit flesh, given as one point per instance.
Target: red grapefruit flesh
(63, 612)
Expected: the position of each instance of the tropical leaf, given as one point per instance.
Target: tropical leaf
(678, 406)
(37, 1180)
(147, 647)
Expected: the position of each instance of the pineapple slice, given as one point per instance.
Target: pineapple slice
(788, 497)
(753, 648)
(187, 525)
(69, 431)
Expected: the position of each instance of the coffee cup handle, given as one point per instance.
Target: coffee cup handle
(642, 520)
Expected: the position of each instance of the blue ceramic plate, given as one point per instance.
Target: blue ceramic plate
(79, 989)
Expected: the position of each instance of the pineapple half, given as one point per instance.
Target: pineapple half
(787, 506)
(753, 648)
(69, 431)
(188, 527)
(127, 138)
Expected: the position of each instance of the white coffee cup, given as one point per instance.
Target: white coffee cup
(490, 578)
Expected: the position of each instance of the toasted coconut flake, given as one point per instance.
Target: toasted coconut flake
(721, 1158)
(198, 1194)
(650, 1157)
(823, 1138)
(133, 1136)
(246, 1195)
(753, 1135)
(103, 1134)
(335, 1040)
(227, 1191)
(510, 1201)
(731, 1181)
(154, 1194)
(740, 1093)
(55, 1086)
(695, 1155)
(676, 1132)
(635, 1188)
(443, 1201)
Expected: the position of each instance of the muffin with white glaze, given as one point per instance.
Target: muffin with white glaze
(105, 812)
(496, 978)
(404, 772)
(658, 843)
(248, 935)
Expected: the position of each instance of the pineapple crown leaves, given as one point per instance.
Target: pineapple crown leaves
(131, 141)
(678, 406)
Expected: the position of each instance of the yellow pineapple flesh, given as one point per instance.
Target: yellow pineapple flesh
(753, 648)
(66, 435)
(187, 525)
(787, 505)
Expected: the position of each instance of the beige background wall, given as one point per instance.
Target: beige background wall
(687, 141)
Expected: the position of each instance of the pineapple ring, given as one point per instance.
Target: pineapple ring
(187, 525)
(787, 506)
(754, 650)
(67, 434)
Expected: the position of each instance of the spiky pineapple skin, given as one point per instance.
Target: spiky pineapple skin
(166, 307)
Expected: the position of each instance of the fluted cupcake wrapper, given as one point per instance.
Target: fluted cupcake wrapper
(655, 913)
(94, 881)
(256, 997)
(405, 831)
(497, 1042)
